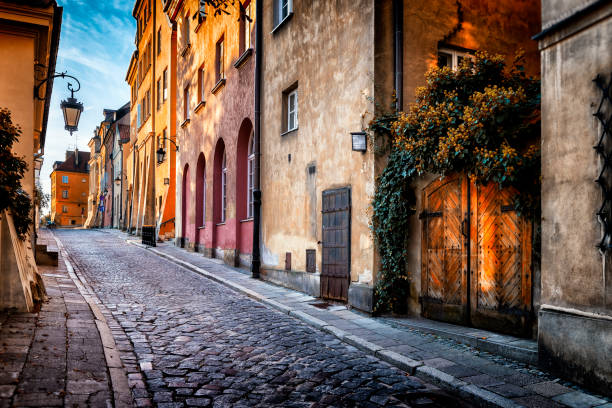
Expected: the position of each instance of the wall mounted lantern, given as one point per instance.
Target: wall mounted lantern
(359, 141)
(161, 153)
(117, 180)
(166, 181)
(71, 107)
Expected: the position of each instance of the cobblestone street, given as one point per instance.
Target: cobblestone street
(189, 340)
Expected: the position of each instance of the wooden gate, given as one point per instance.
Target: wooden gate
(476, 256)
(335, 271)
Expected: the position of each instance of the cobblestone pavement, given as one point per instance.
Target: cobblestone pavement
(198, 343)
(54, 357)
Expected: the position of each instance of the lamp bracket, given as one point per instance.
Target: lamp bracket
(60, 75)
(171, 141)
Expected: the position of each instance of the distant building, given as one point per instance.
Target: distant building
(69, 188)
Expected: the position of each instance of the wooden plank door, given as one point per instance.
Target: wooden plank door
(500, 263)
(335, 271)
(444, 286)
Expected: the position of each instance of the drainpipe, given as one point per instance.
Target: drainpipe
(256, 260)
(398, 54)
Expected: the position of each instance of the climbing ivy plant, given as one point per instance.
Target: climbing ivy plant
(482, 119)
(12, 170)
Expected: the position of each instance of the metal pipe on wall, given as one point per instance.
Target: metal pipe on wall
(255, 257)
(398, 55)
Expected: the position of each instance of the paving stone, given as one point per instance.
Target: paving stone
(548, 388)
(579, 399)
(509, 390)
(537, 401)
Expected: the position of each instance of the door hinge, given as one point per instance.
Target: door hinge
(427, 214)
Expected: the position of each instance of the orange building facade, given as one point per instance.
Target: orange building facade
(69, 190)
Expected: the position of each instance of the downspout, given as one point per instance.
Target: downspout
(256, 260)
(398, 54)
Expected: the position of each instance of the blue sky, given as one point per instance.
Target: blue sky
(96, 43)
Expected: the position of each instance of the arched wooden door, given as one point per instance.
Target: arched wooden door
(476, 256)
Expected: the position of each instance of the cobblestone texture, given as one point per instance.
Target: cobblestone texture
(198, 343)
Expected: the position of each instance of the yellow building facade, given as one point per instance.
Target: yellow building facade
(29, 39)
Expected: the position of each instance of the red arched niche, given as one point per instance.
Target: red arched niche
(184, 205)
(200, 200)
(244, 225)
(219, 161)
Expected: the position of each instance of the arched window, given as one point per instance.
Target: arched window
(223, 187)
(250, 162)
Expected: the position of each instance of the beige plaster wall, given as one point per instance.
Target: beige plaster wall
(326, 48)
(574, 273)
(16, 85)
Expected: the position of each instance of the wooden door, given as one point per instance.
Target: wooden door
(501, 262)
(444, 253)
(476, 256)
(335, 271)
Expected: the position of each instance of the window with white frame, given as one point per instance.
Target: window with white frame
(201, 89)
(451, 58)
(185, 30)
(220, 56)
(282, 10)
(292, 110)
(186, 103)
(250, 162)
(65, 179)
(223, 187)
(64, 193)
(64, 209)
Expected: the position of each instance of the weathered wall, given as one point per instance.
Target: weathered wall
(575, 332)
(219, 123)
(327, 49)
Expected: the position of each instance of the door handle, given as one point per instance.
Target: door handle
(463, 230)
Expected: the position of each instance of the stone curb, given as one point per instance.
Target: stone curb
(122, 394)
(472, 392)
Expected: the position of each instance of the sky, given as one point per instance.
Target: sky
(96, 43)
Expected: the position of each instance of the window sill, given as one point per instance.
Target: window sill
(185, 50)
(220, 84)
(185, 122)
(199, 106)
(202, 227)
(289, 132)
(220, 223)
(243, 58)
(282, 23)
(247, 220)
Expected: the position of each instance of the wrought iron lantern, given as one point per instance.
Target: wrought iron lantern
(359, 141)
(71, 107)
(117, 180)
(161, 153)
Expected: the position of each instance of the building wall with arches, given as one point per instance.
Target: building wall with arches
(214, 116)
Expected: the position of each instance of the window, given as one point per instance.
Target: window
(139, 115)
(165, 77)
(292, 110)
(223, 187)
(148, 102)
(64, 193)
(185, 31)
(282, 10)
(202, 11)
(201, 91)
(158, 94)
(250, 162)
(186, 103)
(65, 179)
(64, 209)
(245, 27)
(219, 60)
(451, 58)
(159, 47)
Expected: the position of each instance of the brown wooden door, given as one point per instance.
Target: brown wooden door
(444, 254)
(463, 221)
(335, 271)
(501, 262)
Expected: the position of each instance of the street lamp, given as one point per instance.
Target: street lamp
(71, 107)
(161, 153)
